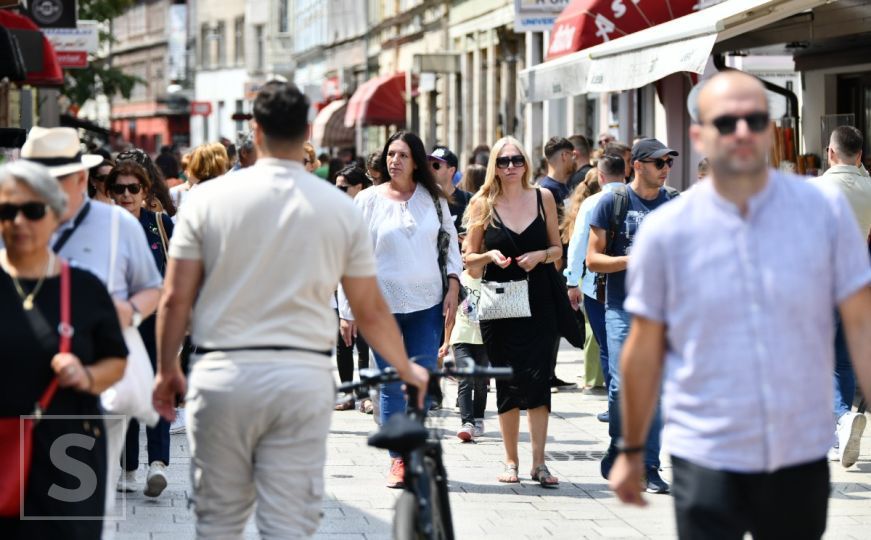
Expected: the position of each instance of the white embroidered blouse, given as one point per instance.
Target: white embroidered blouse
(404, 236)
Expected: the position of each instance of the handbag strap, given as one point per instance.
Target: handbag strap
(164, 241)
(65, 330)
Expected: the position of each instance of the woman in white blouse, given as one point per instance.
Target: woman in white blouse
(404, 225)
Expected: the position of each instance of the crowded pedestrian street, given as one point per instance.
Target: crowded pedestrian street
(357, 506)
(435, 269)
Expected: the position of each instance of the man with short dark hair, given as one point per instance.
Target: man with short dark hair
(261, 385)
(608, 253)
(558, 152)
(581, 153)
(732, 290)
(847, 175)
(625, 151)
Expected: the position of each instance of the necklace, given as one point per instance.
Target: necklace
(27, 298)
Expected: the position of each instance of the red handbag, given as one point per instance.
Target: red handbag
(16, 433)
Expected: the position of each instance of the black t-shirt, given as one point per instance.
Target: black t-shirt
(578, 177)
(27, 352)
(459, 201)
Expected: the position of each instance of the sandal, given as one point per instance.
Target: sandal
(509, 475)
(542, 475)
(344, 405)
(366, 406)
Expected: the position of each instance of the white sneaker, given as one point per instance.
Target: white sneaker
(479, 427)
(178, 425)
(126, 482)
(155, 482)
(467, 432)
(850, 428)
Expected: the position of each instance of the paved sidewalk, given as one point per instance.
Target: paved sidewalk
(358, 506)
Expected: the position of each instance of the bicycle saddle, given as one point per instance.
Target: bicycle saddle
(399, 434)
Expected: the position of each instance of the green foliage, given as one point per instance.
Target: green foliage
(99, 77)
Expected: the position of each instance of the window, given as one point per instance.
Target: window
(240, 126)
(260, 58)
(220, 44)
(282, 16)
(205, 45)
(239, 40)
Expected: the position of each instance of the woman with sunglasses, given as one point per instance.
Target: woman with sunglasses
(352, 180)
(310, 161)
(159, 199)
(97, 181)
(128, 185)
(404, 224)
(31, 204)
(512, 234)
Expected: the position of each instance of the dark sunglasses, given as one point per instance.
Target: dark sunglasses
(32, 210)
(503, 162)
(660, 163)
(435, 165)
(307, 161)
(119, 189)
(343, 188)
(757, 122)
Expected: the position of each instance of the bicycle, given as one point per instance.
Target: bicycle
(423, 509)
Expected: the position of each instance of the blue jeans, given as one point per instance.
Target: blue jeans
(845, 380)
(158, 444)
(617, 327)
(422, 335)
(596, 317)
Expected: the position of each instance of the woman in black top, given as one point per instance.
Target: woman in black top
(31, 203)
(129, 184)
(513, 234)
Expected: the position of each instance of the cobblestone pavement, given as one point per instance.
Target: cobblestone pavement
(358, 506)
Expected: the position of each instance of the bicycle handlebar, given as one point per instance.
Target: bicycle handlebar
(373, 377)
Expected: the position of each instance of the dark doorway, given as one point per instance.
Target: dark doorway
(854, 96)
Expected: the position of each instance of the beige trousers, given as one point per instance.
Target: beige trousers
(257, 424)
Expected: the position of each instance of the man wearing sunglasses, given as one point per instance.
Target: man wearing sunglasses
(444, 164)
(613, 226)
(733, 289)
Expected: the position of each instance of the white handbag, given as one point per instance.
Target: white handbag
(504, 299)
(131, 395)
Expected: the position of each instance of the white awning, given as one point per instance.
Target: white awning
(682, 44)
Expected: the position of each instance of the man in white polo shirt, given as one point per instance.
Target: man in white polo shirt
(733, 288)
(258, 264)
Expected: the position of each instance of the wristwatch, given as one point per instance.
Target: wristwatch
(136, 320)
(623, 449)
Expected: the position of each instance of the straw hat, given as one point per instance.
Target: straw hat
(59, 149)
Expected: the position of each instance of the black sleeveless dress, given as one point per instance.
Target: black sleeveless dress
(525, 344)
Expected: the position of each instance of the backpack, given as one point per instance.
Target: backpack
(618, 216)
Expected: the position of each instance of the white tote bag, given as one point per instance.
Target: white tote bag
(131, 395)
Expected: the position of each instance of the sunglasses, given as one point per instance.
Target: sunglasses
(307, 161)
(119, 189)
(32, 210)
(727, 124)
(516, 160)
(660, 163)
(343, 188)
(435, 165)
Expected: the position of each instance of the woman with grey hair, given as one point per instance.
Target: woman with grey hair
(31, 203)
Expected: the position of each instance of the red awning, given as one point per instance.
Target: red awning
(50, 73)
(585, 23)
(378, 102)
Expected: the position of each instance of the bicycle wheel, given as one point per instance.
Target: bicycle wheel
(406, 522)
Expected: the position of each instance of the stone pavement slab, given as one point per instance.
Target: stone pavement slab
(357, 506)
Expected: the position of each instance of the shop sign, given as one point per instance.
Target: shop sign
(537, 15)
(201, 108)
(72, 59)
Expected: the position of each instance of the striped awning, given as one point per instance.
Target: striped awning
(329, 130)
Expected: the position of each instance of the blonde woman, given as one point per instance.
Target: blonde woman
(310, 161)
(512, 234)
(206, 162)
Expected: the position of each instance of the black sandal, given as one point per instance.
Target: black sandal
(542, 475)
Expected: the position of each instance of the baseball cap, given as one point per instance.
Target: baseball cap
(651, 149)
(443, 154)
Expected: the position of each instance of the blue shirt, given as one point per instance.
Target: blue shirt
(89, 248)
(577, 251)
(748, 303)
(636, 211)
(560, 191)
